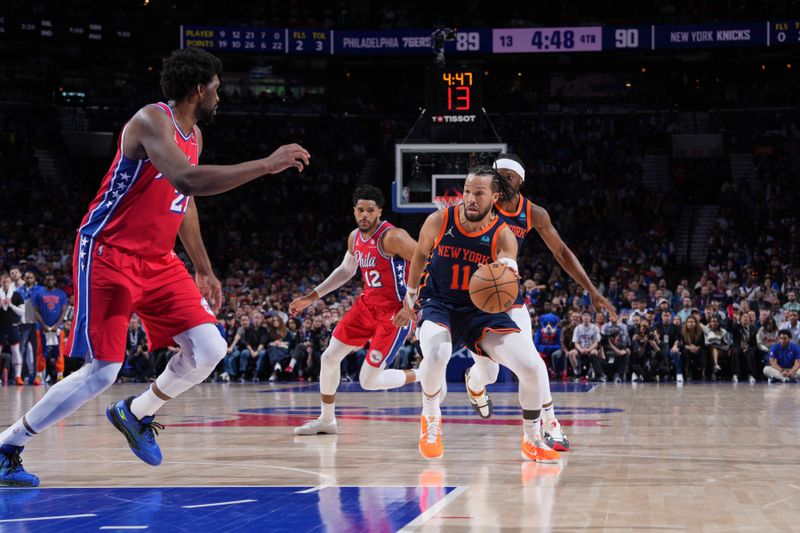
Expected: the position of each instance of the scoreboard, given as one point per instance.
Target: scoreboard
(568, 39)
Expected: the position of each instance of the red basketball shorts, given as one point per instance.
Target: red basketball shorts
(111, 284)
(363, 323)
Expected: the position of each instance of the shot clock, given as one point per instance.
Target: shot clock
(453, 94)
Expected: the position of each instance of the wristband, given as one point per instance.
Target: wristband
(411, 297)
(510, 263)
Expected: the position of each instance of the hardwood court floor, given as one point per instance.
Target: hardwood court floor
(704, 457)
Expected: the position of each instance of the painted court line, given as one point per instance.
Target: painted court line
(216, 504)
(39, 518)
(124, 527)
(433, 510)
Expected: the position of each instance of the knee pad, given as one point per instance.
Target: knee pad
(202, 347)
(368, 377)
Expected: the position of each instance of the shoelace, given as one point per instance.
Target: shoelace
(433, 430)
(151, 429)
(14, 462)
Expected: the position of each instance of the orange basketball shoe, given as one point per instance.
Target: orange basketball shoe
(538, 450)
(19, 381)
(430, 437)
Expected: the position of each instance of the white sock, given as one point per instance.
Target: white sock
(16, 435)
(531, 428)
(277, 367)
(548, 413)
(146, 404)
(328, 413)
(292, 362)
(17, 370)
(430, 406)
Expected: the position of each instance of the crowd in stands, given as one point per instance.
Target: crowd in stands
(278, 237)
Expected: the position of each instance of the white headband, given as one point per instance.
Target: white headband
(510, 164)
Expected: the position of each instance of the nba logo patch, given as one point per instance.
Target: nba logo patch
(485, 239)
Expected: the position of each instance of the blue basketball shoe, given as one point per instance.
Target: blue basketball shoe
(12, 474)
(141, 434)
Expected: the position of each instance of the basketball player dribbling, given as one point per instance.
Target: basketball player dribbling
(381, 251)
(124, 262)
(455, 242)
(522, 215)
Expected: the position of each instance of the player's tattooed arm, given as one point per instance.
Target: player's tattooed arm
(567, 259)
(341, 275)
(149, 135)
(399, 243)
(428, 236)
(192, 239)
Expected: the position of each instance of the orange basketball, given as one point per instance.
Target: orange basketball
(493, 288)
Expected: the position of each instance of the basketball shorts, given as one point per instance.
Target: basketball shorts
(363, 323)
(9, 336)
(110, 284)
(468, 325)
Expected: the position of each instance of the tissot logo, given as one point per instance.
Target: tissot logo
(439, 119)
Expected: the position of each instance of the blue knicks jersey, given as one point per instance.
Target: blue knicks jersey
(456, 255)
(520, 222)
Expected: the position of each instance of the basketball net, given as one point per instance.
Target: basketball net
(448, 199)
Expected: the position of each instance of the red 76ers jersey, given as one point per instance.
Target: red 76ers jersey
(384, 276)
(136, 208)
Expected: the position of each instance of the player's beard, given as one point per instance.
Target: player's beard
(476, 218)
(205, 115)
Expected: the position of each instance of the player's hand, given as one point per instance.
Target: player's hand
(211, 289)
(298, 304)
(288, 156)
(404, 317)
(514, 270)
(601, 302)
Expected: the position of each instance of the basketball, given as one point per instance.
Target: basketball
(493, 288)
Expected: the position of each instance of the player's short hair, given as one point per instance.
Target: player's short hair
(368, 192)
(500, 183)
(184, 69)
(513, 157)
(786, 332)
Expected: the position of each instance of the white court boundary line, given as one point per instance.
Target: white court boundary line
(40, 518)
(433, 510)
(124, 527)
(234, 502)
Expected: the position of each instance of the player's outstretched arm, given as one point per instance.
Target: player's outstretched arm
(428, 236)
(149, 135)
(192, 240)
(567, 259)
(341, 275)
(399, 243)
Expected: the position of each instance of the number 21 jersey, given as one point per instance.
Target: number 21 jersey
(136, 208)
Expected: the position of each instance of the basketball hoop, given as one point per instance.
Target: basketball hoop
(448, 199)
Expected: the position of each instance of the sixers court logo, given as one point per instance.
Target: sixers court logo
(506, 415)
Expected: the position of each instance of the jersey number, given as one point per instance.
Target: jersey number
(454, 284)
(180, 204)
(373, 279)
